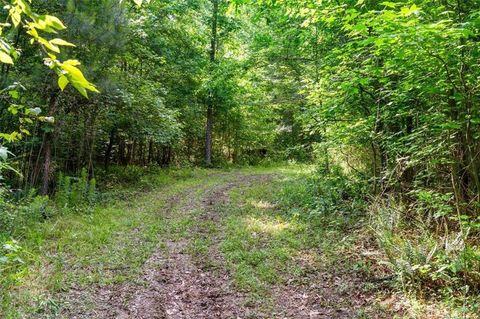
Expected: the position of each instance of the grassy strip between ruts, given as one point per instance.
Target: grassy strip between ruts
(265, 236)
(268, 244)
(108, 245)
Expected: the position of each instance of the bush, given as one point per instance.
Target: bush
(326, 193)
(11, 262)
(423, 252)
(77, 193)
(130, 174)
(15, 215)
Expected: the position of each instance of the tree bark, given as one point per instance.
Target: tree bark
(141, 157)
(47, 142)
(150, 151)
(166, 156)
(122, 159)
(211, 99)
(108, 152)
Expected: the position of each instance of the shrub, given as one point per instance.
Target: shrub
(423, 252)
(125, 174)
(326, 193)
(77, 193)
(15, 215)
(11, 262)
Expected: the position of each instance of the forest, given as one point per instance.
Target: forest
(189, 159)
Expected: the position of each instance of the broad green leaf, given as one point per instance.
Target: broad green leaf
(5, 58)
(72, 62)
(61, 42)
(48, 45)
(80, 89)
(389, 4)
(406, 11)
(16, 16)
(14, 94)
(54, 22)
(62, 82)
(32, 31)
(76, 77)
(13, 109)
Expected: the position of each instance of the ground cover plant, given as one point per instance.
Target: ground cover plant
(239, 158)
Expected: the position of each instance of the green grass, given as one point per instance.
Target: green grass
(272, 237)
(267, 243)
(268, 235)
(108, 245)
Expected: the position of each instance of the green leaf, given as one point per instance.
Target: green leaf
(72, 62)
(361, 28)
(63, 82)
(13, 109)
(16, 17)
(76, 77)
(48, 45)
(406, 11)
(61, 42)
(80, 89)
(14, 94)
(389, 4)
(54, 22)
(5, 58)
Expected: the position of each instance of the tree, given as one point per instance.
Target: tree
(211, 98)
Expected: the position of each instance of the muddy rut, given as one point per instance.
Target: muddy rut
(178, 287)
(174, 285)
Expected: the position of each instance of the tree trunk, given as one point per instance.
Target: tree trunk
(47, 141)
(208, 140)
(108, 152)
(141, 151)
(150, 151)
(211, 99)
(166, 156)
(133, 152)
(122, 159)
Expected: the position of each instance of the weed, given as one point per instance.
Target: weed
(76, 193)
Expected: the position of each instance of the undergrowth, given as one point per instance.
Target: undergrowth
(286, 231)
(433, 258)
(430, 247)
(89, 237)
(307, 220)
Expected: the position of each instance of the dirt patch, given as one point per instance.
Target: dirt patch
(176, 285)
(183, 290)
(327, 296)
(172, 285)
(193, 290)
(123, 300)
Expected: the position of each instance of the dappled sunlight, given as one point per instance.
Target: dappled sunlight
(261, 204)
(307, 258)
(267, 226)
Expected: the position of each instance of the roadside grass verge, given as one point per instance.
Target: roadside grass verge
(270, 239)
(107, 245)
(303, 225)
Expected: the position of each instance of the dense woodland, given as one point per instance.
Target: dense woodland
(382, 97)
